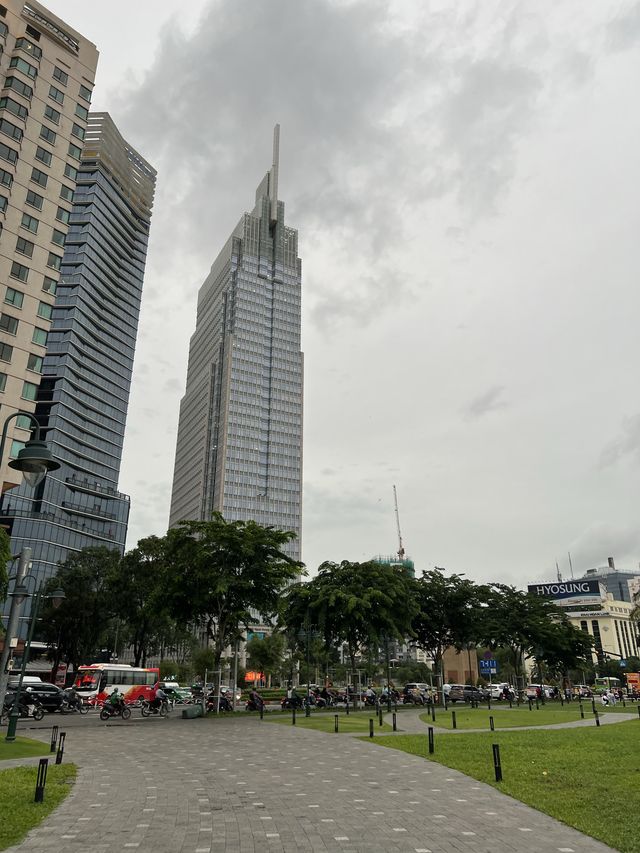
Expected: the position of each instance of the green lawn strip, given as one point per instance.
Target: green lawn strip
(478, 718)
(589, 778)
(22, 747)
(18, 812)
(325, 723)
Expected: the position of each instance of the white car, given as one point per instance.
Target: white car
(497, 690)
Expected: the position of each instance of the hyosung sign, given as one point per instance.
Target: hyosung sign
(567, 589)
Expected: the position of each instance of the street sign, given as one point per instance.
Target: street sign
(488, 667)
(623, 663)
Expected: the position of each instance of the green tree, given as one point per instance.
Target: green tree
(5, 556)
(357, 604)
(266, 655)
(78, 628)
(220, 571)
(203, 662)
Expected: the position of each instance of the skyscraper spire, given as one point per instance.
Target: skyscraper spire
(273, 183)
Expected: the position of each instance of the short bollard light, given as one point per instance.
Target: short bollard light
(347, 704)
(433, 713)
(54, 738)
(395, 721)
(453, 720)
(597, 719)
(262, 712)
(60, 751)
(593, 705)
(530, 704)
(370, 727)
(489, 701)
(430, 735)
(41, 780)
(581, 711)
(293, 716)
(335, 722)
(492, 724)
(496, 762)
(307, 709)
(510, 703)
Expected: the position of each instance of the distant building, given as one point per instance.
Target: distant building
(618, 583)
(393, 560)
(239, 443)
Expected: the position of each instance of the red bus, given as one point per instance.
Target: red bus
(96, 682)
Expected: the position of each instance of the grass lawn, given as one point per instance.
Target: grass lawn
(22, 747)
(324, 722)
(18, 812)
(589, 778)
(505, 717)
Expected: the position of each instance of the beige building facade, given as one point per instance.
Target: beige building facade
(47, 70)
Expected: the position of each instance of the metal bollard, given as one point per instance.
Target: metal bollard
(491, 724)
(262, 712)
(639, 710)
(431, 744)
(581, 711)
(307, 709)
(453, 720)
(293, 716)
(433, 713)
(54, 741)
(335, 722)
(347, 704)
(60, 751)
(380, 715)
(496, 762)
(395, 721)
(597, 718)
(530, 704)
(510, 703)
(489, 701)
(41, 780)
(370, 727)
(593, 705)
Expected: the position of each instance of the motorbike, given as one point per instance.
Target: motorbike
(72, 704)
(148, 708)
(254, 705)
(214, 704)
(24, 709)
(110, 710)
(289, 703)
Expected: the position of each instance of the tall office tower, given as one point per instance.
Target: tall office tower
(239, 445)
(86, 372)
(46, 76)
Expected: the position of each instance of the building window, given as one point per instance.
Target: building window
(8, 324)
(3, 381)
(4, 201)
(56, 95)
(14, 107)
(74, 151)
(48, 135)
(39, 336)
(62, 215)
(24, 66)
(78, 131)
(19, 86)
(43, 155)
(34, 363)
(25, 247)
(39, 177)
(6, 352)
(44, 310)
(34, 200)
(6, 178)
(52, 114)
(82, 112)
(85, 93)
(58, 237)
(16, 447)
(30, 223)
(30, 48)
(31, 31)
(66, 193)
(29, 390)
(70, 171)
(19, 271)
(8, 153)
(10, 129)
(54, 261)
(49, 285)
(60, 75)
(14, 297)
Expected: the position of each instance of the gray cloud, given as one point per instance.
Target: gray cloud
(603, 539)
(487, 402)
(624, 30)
(626, 445)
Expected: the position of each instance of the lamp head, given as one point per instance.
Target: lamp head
(20, 593)
(34, 460)
(57, 597)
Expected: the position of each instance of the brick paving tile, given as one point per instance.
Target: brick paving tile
(245, 786)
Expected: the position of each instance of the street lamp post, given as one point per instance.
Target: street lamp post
(19, 593)
(34, 460)
(308, 633)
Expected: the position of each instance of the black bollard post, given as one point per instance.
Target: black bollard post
(262, 712)
(489, 701)
(491, 724)
(624, 704)
(380, 715)
(347, 704)
(41, 780)
(60, 751)
(335, 722)
(446, 704)
(597, 719)
(639, 710)
(293, 716)
(54, 741)
(561, 701)
(370, 727)
(530, 704)
(453, 720)
(581, 711)
(537, 704)
(496, 762)
(510, 703)
(433, 713)
(593, 705)
(431, 745)
(307, 709)
(395, 721)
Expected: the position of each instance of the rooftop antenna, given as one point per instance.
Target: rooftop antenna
(570, 564)
(273, 183)
(558, 572)
(401, 546)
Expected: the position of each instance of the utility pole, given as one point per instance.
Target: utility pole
(12, 625)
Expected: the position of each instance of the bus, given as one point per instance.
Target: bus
(605, 683)
(96, 682)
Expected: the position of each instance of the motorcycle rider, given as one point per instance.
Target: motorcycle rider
(159, 696)
(256, 702)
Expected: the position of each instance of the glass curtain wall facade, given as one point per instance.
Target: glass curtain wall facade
(86, 373)
(239, 444)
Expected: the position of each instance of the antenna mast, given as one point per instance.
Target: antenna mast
(401, 546)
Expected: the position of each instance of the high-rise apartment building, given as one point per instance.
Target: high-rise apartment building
(86, 372)
(239, 445)
(46, 76)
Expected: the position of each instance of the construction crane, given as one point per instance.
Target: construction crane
(401, 546)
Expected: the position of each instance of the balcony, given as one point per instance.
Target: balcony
(92, 487)
(88, 512)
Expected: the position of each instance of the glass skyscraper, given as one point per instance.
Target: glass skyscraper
(239, 444)
(86, 372)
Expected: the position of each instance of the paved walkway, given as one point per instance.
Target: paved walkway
(243, 786)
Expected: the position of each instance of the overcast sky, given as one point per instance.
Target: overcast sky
(464, 178)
